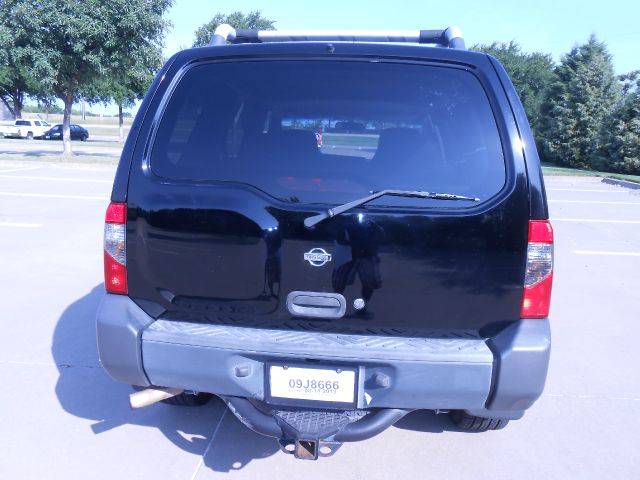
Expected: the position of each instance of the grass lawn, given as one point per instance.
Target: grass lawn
(98, 125)
(349, 140)
(549, 169)
(111, 131)
(55, 118)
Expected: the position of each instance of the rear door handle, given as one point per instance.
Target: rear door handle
(316, 304)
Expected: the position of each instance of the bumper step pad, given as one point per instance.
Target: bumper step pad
(307, 433)
(315, 424)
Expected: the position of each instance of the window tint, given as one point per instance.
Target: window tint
(330, 132)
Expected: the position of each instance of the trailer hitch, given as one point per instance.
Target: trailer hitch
(308, 449)
(309, 434)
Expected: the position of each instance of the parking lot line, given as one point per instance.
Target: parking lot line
(19, 225)
(213, 437)
(589, 397)
(54, 195)
(594, 202)
(30, 364)
(62, 179)
(19, 169)
(594, 220)
(597, 252)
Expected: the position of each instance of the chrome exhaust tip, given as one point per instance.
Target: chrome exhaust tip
(149, 396)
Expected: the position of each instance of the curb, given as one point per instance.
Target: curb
(621, 183)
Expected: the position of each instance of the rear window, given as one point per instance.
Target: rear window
(331, 132)
(22, 123)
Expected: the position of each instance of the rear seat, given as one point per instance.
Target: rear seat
(283, 150)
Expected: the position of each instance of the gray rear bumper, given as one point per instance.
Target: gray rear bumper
(500, 376)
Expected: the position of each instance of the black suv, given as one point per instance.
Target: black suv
(327, 232)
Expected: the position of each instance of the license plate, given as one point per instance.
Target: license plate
(323, 384)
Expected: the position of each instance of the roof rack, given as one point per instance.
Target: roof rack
(450, 37)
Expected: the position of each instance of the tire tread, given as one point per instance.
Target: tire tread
(476, 424)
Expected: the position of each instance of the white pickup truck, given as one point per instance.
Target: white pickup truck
(25, 129)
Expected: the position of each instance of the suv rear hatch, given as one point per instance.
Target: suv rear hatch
(244, 151)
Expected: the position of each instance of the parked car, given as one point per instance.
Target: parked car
(25, 129)
(323, 294)
(77, 133)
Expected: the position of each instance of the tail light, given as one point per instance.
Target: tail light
(115, 248)
(539, 274)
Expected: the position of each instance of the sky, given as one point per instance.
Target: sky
(551, 26)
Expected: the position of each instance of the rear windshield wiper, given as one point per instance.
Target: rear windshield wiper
(332, 212)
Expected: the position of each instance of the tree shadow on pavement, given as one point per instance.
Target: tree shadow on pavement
(85, 390)
(235, 446)
(230, 452)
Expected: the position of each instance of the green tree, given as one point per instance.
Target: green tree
(15, 82)
(14, 85)
(531, 74)
(630, 82)
(68, 46)
(584, 92)
(127, 86)
(621, 130)
(252, 20)
(46, 102)
(124, 92)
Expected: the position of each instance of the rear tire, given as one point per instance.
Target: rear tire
(30, 136)
(189, 399)
(472, 423)
(83, 138)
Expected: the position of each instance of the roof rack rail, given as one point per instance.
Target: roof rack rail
(450, 37)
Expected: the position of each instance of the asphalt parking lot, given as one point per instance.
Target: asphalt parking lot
(62, 417)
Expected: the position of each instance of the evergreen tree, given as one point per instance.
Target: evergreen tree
(621, 130)
(584, 92)
(531, 74)
(630, 82)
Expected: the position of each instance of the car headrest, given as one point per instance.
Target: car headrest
(398, 142)
(293, 143)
